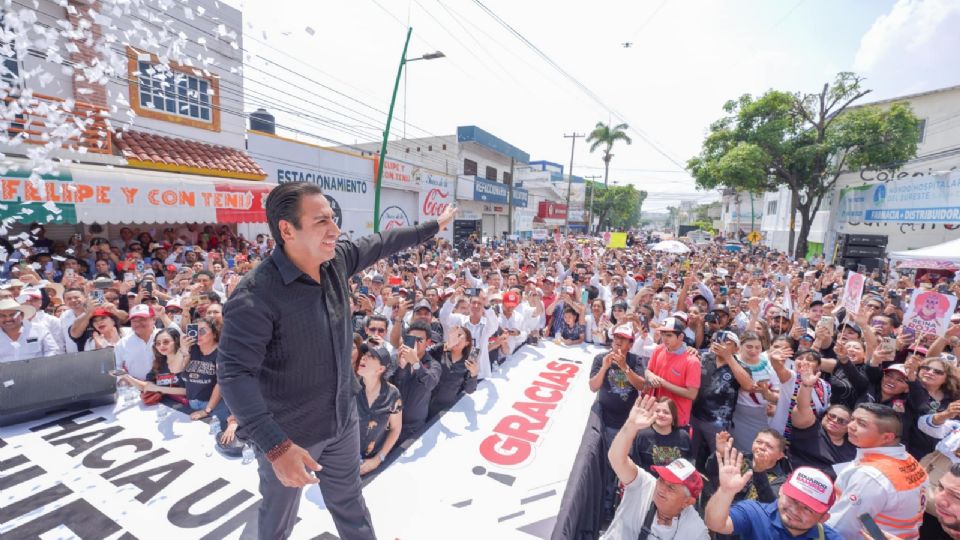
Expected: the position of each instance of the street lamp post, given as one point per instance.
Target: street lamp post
(386, 132)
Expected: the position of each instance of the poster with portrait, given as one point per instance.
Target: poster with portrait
(853, 293)
(929, 312)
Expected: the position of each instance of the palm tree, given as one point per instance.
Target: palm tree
(606, 136)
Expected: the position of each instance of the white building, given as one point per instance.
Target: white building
(740, 212)
(938, 153)
(155, 96)
(481, 164)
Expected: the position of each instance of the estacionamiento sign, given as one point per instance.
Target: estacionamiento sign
(494, 466)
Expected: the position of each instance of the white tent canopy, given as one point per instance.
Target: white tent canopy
(947, 251)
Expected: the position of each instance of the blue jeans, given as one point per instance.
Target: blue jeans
(221, 412)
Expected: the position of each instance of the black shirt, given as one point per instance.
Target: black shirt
(455, 379)
(284, 364)
(374, 420)
(416, 386)
(616, 395)
(651, 448)
(200, 375)
(717, 398)
(812, 447)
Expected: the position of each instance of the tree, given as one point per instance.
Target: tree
(804, 142)
(606, 136)
(616, 207)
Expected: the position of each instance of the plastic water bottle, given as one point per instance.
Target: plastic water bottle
(248, 456)
(215, 426)
(161, 412)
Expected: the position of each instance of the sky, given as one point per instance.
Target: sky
(326, 69)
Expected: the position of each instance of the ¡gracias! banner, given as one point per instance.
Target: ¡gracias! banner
(497, 463)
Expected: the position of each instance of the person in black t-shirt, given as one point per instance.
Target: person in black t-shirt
(200, 375)
(459, 368)
(416, 376)
(618, 379)
(818, 444)
(378, 407)
(721, 379)
(662, 442)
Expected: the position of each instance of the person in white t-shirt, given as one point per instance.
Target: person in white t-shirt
(660, 507)
(134, 352)
(34, 298)
(19, 338)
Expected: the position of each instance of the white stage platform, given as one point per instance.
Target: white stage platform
(495, 466)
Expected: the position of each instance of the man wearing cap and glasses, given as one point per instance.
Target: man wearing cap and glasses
(800, 510)
(653, 508)
(20, 339)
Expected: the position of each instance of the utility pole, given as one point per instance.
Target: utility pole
(510, 201)
(593, 187)
(573, 144)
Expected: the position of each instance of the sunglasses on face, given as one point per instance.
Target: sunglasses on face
(931, 369)
(838, 419)
(164, 342)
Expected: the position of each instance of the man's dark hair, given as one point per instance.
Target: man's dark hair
(283, 203)
(207, 273)
(374, 318)
(888, 421)
(420, 325)
(777, 436)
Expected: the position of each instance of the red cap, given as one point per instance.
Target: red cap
(812, 488)
(101, 312)
(682, 472)
(511, 299)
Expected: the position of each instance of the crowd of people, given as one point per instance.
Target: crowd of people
(736, 394)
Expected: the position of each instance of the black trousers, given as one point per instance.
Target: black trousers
(339, 484)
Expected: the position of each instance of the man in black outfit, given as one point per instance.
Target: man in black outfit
(416, 376)
(284, 364)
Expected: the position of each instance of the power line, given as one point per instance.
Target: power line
(647, 21)
(593, 96)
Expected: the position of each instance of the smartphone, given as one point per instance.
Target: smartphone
(395, 289)
(673, 298)
(484, 264)
(869, 525)
(724, 290)
(193, 330)
(97, 296)
(943, 289)
(364, 290)
(861, 269)
(412, 297)
(69, 273)
(818, 297)
(581, 266)
(803, 322)
(471, 291)
(231, 262)
(827, 320)
(139, 266)
(584, 296)
(409, 341)
(890, 344)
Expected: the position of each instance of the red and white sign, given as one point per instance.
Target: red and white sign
(552, 210)
(436, 194)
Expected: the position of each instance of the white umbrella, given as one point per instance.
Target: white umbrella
(671, 246)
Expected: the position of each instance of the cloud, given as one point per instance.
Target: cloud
(912, 46)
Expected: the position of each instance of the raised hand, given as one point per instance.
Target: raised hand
(730, 463)
(641, 415)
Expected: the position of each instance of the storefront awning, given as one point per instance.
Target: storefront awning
(98, 194)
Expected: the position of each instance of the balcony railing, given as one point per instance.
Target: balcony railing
(43, 119)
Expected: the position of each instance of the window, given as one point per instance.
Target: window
(444, 147)
(921, 131)
(507, 179)
(173, 93)
(430, 148)
(491, 174)
(469, 167)
(771, 208)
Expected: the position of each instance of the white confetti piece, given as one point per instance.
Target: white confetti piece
(310, 31)
(8, 383)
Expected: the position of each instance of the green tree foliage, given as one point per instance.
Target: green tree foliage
(616, 207)
(606, 136)
(804, 142)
